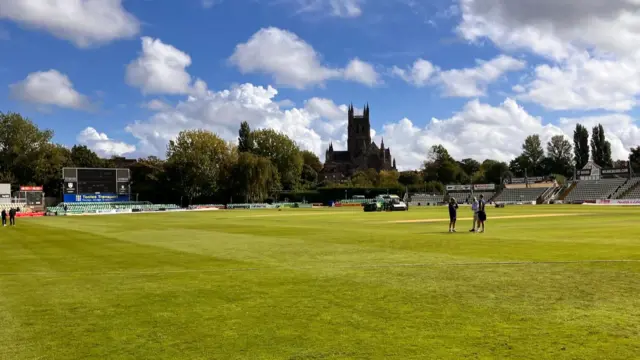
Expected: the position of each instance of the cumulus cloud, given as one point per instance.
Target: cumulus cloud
(585, 83)
(468, 82)
(102, 145)
(162, 69)
(49, 88)
(591, 44)
(85, 23)
(293, 62)
(478, 130)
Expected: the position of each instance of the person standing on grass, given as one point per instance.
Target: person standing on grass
(482, 216)
(4, 217)
(474, 208)
(453, 212)
(12, 217)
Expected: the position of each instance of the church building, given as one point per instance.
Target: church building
(361, 154)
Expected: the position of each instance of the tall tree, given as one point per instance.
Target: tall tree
(312, 160)
(254, 177)
(48, 167)
(634, 159)
(408, 178)
(440, 166)
(82, 156)
(580, 146)
(600, 147)
(518, 165)
(560, 154)
(22, 143)
(245, 140)
(533, 152)
(283, 153)
(198, 159)
(148, 180)
(493, 171)
(469, 166)
(389, 179)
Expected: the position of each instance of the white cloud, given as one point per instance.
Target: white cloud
(49, 88)
(585, 83)
(162, 69)
(293, 62)
(156, 105)
(468, 82)
(102, 145)
(338, 8)
(83, 22)
(472, 82)
(362, 72)
(478, 130)
(419, 74)
(591, 44)
(554, 28)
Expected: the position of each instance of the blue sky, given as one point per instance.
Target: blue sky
(442, 71)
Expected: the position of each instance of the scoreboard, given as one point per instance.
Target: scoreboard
(95, 185)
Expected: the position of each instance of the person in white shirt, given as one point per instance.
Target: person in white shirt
(474, 208)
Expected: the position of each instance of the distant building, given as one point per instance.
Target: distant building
(361, 154)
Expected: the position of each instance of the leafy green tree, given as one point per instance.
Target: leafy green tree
(82, 156)
(533, 153)
(245, 139)
(48, 167)
(197, 160)
(493, 171)
(600, 147)
(560, 155)
(283, 153)
(148, 179)
(469, 166)
(634, 159)
(254, 177)
(389, 179)
(22, 144)
(409, 178)
(440, 166)
(311, 160)
(580, 146)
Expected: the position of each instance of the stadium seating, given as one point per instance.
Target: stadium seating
(466, 196)
(634, 192)
(525, 195)
(622, 191)
(594, 189)
(425, 199)
(85, 208)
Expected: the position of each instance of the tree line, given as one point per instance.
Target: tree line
(201, 167)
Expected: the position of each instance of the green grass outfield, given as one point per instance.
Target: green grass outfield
(323, 284)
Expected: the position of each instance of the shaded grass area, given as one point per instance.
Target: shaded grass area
(304, 285)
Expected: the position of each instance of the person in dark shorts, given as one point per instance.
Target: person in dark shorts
(12, 217)
(453, 214)
(482, 215)
(4, 217)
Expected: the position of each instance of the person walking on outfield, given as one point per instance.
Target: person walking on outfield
(12, 217)
(474, 208)
(482, 216)
(4, 217)
(453, 212)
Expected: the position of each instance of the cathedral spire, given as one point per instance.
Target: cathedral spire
(331, 146)
(382, 144)
(394, 163)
